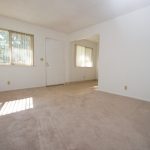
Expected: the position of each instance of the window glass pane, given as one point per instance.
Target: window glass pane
(4, 47)
(84, 56)
(88, 57)
(22, 49)
(80, 56)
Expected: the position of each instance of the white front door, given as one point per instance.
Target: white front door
(55, 62)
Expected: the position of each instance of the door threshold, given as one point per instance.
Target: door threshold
(55, 85)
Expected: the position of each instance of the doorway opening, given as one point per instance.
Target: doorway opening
(84, 59)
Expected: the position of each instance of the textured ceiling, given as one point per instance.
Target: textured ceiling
(68, 15)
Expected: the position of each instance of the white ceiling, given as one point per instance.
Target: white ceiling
(68, 15)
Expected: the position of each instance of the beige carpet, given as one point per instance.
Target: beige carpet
(72, 117)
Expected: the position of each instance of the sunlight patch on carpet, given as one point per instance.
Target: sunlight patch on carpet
(16, 106)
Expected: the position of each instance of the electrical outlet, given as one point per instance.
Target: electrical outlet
(126, 87)
(41, 59)
(84, 77)
(8, 82)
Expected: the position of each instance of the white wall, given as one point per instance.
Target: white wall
(124, 53)
(26, 77)
(79, 73)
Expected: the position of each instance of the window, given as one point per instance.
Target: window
(84, 56)
(16, 48)
(4, 47)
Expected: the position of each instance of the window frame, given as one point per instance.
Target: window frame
(85, 54)
(10, 47)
